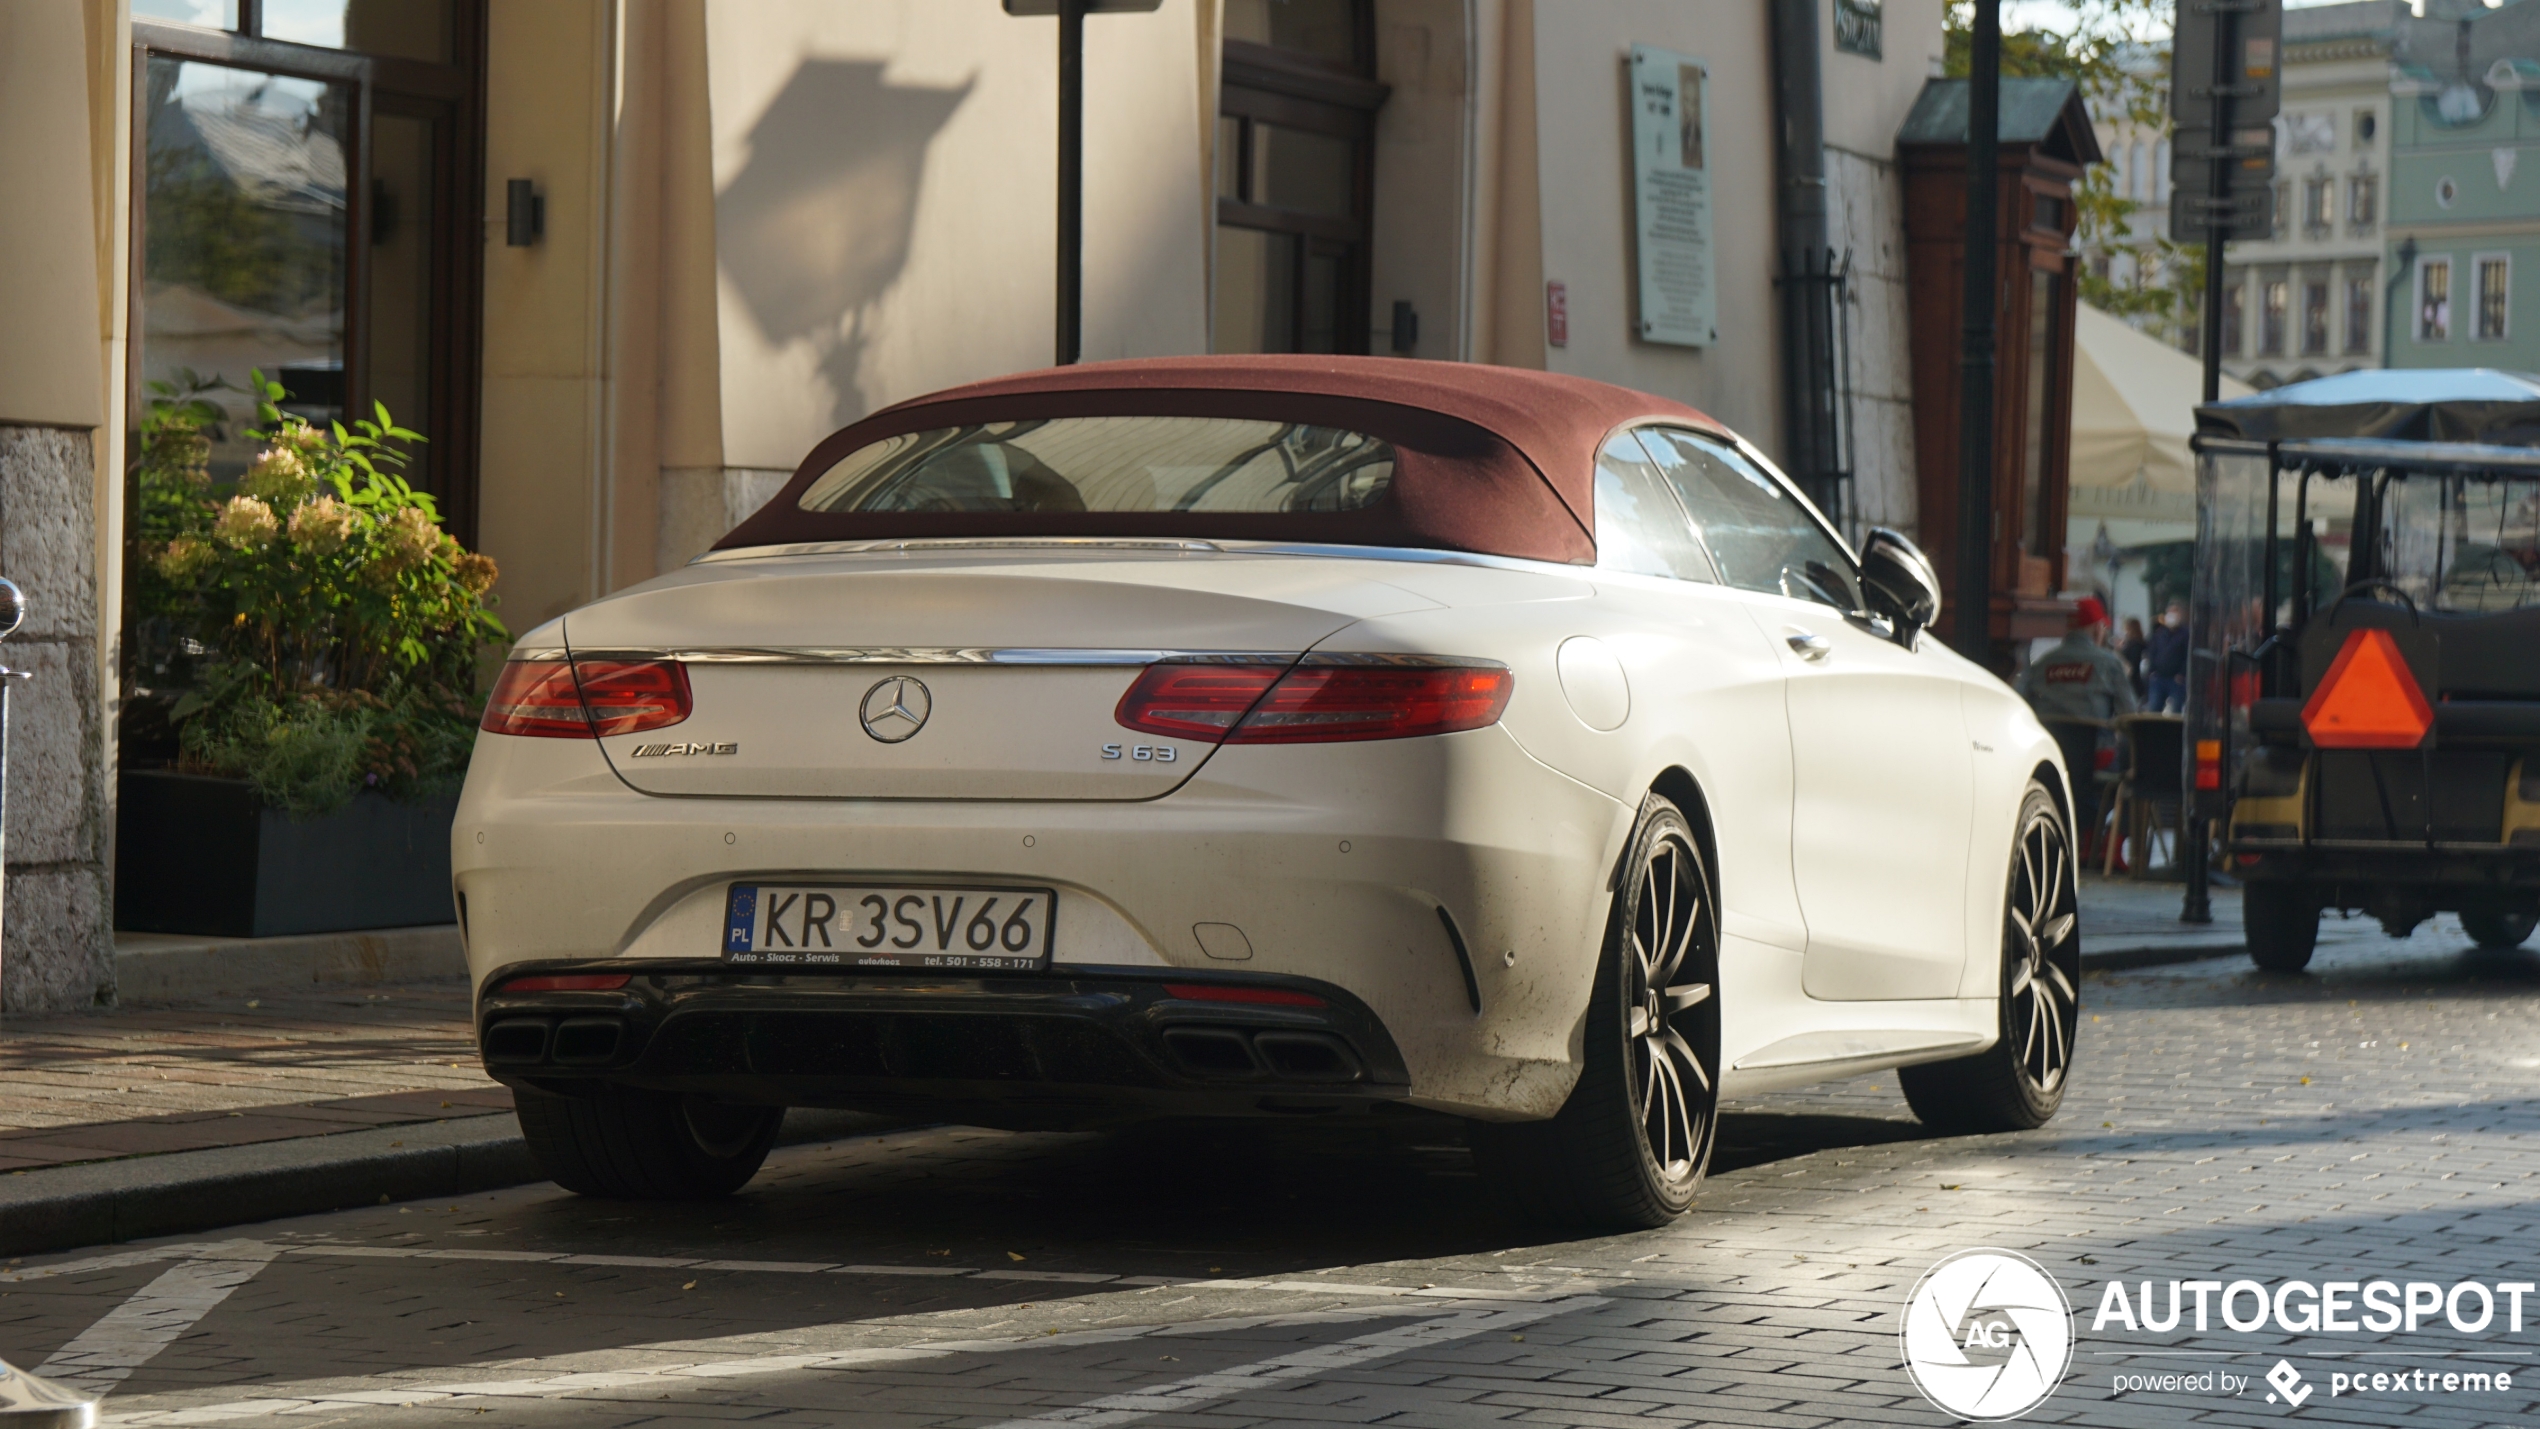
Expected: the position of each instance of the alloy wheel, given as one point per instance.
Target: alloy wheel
(1673, 1011)
(2042, 955)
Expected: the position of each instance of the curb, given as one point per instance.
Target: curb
(100, 1202)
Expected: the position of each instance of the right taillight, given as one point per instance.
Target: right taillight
(558, 699)
(1315, 702)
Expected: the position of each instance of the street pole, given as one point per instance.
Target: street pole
(1974, 628)
(2199, 905)
(1071, 181)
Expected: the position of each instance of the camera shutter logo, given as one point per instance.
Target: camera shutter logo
(1988, 1335)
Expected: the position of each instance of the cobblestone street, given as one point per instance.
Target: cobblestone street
(2377, 1119)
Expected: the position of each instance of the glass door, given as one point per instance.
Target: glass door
(1295, 169)
(305, 205)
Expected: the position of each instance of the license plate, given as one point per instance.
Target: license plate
(887, 926)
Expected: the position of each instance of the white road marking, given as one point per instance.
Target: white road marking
(116, 1261)
(292, 1399)
(134, 1332)
(1189, 1394)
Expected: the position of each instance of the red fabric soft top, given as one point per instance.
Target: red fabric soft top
(1499, 460)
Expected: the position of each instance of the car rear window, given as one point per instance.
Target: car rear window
(1143, 464)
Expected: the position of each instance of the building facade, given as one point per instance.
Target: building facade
(2465, 187)
(2309, 300)
(625, 261)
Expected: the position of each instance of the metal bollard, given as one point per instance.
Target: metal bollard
(27, 1402)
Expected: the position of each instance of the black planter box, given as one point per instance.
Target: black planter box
(202, 855)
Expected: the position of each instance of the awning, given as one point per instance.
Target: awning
(2134, 407)
(2436, 404)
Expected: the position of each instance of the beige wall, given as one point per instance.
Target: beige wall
(49, 363)
(1866, 99)
(1555, 190)
(885, 183)
(542, 503)
(1866, 102)
(1423, 182)
(878, 175)
(1580, 48)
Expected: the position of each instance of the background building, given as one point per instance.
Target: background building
(625, 261)
(2464, 195)
(2309, 300)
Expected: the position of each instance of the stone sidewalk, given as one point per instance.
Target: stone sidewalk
(85, 1087)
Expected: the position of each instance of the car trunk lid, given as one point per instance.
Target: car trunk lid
(963, 677)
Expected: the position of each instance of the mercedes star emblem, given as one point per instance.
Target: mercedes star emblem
(895, 709)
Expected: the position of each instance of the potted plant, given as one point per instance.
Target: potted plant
(302, 681)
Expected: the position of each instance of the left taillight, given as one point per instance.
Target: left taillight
(560, 699)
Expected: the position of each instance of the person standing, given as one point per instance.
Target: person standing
(2079, 679)
(2165, 663)
(2131, 648)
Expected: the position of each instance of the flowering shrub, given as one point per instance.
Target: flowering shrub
(309, 626)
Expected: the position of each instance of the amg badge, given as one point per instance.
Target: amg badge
(658, 751)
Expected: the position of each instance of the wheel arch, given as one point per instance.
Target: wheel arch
(2052, 776)
(1677, 785)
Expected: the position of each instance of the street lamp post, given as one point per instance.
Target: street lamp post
(1976, 342)
(1071, 153)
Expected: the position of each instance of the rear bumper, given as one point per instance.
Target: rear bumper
(1075, 1048)
(1333, 861)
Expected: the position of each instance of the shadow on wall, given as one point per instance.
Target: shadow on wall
(815, 228)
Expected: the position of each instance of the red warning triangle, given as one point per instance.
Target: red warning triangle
(2369, 700)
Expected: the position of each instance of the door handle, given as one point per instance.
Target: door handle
(1811, 648)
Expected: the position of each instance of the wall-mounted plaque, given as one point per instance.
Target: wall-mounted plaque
(1857, 25)
(1671, 194)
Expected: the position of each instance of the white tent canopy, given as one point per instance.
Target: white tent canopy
(2134, 407)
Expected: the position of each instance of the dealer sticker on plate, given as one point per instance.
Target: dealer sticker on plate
(887, 926)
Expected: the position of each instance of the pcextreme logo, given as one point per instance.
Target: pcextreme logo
(1988, 1335)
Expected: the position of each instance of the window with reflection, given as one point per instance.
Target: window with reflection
(302, 208)
(242, 184)
(1294, 168)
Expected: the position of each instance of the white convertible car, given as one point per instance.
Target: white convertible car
(1273, 738)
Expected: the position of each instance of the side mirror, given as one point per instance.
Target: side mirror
(1899, 583)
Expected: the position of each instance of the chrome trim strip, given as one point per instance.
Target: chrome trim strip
(1402, 662)
(1419, 555)
(923, 655)
(962, 543)
(1025, 655)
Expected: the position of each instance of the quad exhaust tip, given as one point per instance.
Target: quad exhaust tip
(1239, 1054)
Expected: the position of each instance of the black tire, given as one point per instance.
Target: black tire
(2281, 924)
(626, 1145)
(2018, 1083)
(2499, 929)
(1630, 1146)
